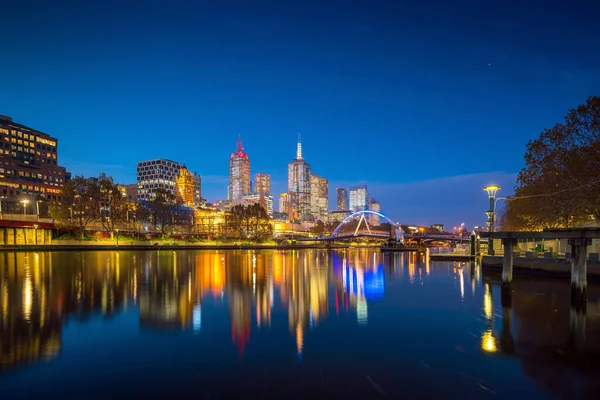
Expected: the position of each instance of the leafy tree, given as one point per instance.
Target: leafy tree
(250, 221)
(162, 208)
(560, 183)
(78, 204)
(113, 206)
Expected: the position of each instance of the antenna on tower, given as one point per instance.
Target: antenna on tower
(299, 149)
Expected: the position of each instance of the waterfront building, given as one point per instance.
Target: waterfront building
(239, 173)
(342, 198)
(262, 182)
(188, 188)
(156, 174)
(131, 191)
(374, 205)
(223, 205)
(299, 186)
(319, 197)
(29, 162)
(358, 197)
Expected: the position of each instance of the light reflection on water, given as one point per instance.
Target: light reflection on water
(340, 323)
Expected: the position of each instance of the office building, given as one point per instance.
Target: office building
(262, 182)
(299, 186)
(359, 197)
(338, 215)
(29, 162)
(188, 188)
(266, 201)
(239, 173)
(374, 205)
(319, 197)
(342, 198)
(156, 174)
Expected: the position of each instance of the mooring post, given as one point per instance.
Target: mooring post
(579, 271)
(473, 244)
(507, 263)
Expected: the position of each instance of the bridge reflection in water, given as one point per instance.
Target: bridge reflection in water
(319, 293)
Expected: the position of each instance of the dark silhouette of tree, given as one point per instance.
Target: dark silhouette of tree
(251, 222)
(162, 208)
(113, 206)
(560, 183)
(78, 204)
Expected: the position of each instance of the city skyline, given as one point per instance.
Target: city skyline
(456, 108)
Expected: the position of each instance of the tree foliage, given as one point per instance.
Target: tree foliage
(163, 208)
(559, 186)
(248, 221)
(78, 204)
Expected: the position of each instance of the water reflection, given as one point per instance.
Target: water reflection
(353, 291)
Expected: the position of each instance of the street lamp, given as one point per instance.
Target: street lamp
(25, 208)
(491, 213)
(37, 208)
(35, 226)
(491, 191)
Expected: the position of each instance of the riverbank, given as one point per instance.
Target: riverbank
(171, 246)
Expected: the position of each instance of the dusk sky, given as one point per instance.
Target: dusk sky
(425, 101)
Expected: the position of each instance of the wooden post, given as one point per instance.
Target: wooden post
(507, 264)
(473, 243)
(579, 271)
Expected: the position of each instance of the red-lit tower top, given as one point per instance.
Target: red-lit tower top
(239, 151)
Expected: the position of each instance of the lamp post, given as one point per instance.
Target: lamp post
(491, 213)
(37, 208)
(25, 208)
(35, 226)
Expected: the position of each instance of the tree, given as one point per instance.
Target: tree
(162, 208)
(559, 187)
(113, 206)
(78, 204)
(250, 221)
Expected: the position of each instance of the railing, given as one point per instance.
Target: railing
(25, 218)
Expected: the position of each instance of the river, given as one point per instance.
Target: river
(286, 324)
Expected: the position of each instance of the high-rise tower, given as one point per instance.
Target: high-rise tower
(239, 173)
(299, 185)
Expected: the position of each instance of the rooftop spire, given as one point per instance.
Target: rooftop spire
(299, 149)
(240, 148)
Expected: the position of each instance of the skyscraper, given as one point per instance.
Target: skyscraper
(319, 197)
(359, 197)
(262, 181)
(374, 205)
(156, 174)
(239, 173)
(299, 185)
(342, 198)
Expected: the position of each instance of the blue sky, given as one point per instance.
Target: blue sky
(425, 101)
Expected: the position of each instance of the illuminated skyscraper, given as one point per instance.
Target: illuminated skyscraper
(262, 181)
(374, 205)
(359, 197)
(342, 198)
(319, 197)
(239, 173)
(188, 188)
(299, 185)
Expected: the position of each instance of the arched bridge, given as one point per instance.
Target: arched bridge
(357, 232)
